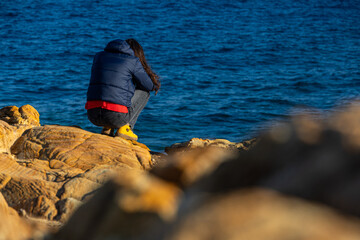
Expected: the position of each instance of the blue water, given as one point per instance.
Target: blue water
(227, 67)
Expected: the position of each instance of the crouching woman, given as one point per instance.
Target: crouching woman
(119, 89)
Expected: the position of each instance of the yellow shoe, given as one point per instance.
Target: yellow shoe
(126, 132)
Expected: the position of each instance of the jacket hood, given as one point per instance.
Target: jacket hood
(119, 46)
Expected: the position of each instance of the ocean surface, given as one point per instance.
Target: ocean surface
(229, 69)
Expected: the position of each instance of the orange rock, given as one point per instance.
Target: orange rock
(11, 225)
(67, 207)
(261, 214)
(9, 134)
(25, 115)
(135, 205)
(40, 206)
(186, 167)
(13, 122)
(29, 115)
(45, 164)
(78, 148)
(201, 143)
(11, 115)
(22, 187)
(103, 173)
(78, 188)
(189, 161)
(44, 169)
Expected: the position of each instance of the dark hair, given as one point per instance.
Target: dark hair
(139, 52)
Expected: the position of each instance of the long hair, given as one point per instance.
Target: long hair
(139, 52)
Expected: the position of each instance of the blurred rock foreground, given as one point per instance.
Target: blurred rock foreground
(300, 180)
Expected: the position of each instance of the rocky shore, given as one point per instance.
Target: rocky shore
(300, 180)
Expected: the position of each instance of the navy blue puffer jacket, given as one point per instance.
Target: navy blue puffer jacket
(115, 74)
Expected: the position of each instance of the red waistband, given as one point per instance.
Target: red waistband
(106, 105)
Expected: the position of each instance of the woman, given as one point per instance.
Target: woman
(120, 85)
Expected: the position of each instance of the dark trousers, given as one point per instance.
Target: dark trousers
(106, 118)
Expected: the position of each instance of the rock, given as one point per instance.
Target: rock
(8, 135)
(158, 158)
(135, 205)
(67, 207)
(261, 214)
(187, 167)
(42, 165)
(13, 122)
(78, 188)
(27, 193)
(202, 143)
(103, 173)
(311, 158)
(299, 180)
(29, 115)
(78, 148)
(309, 164)
(49, 161)
(25, 188)
(189, 161)
(25, 115)
(40, 206)
(11, 225)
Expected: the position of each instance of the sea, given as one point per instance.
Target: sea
(229, 69)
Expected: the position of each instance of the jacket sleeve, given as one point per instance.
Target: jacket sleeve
(141, 78)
